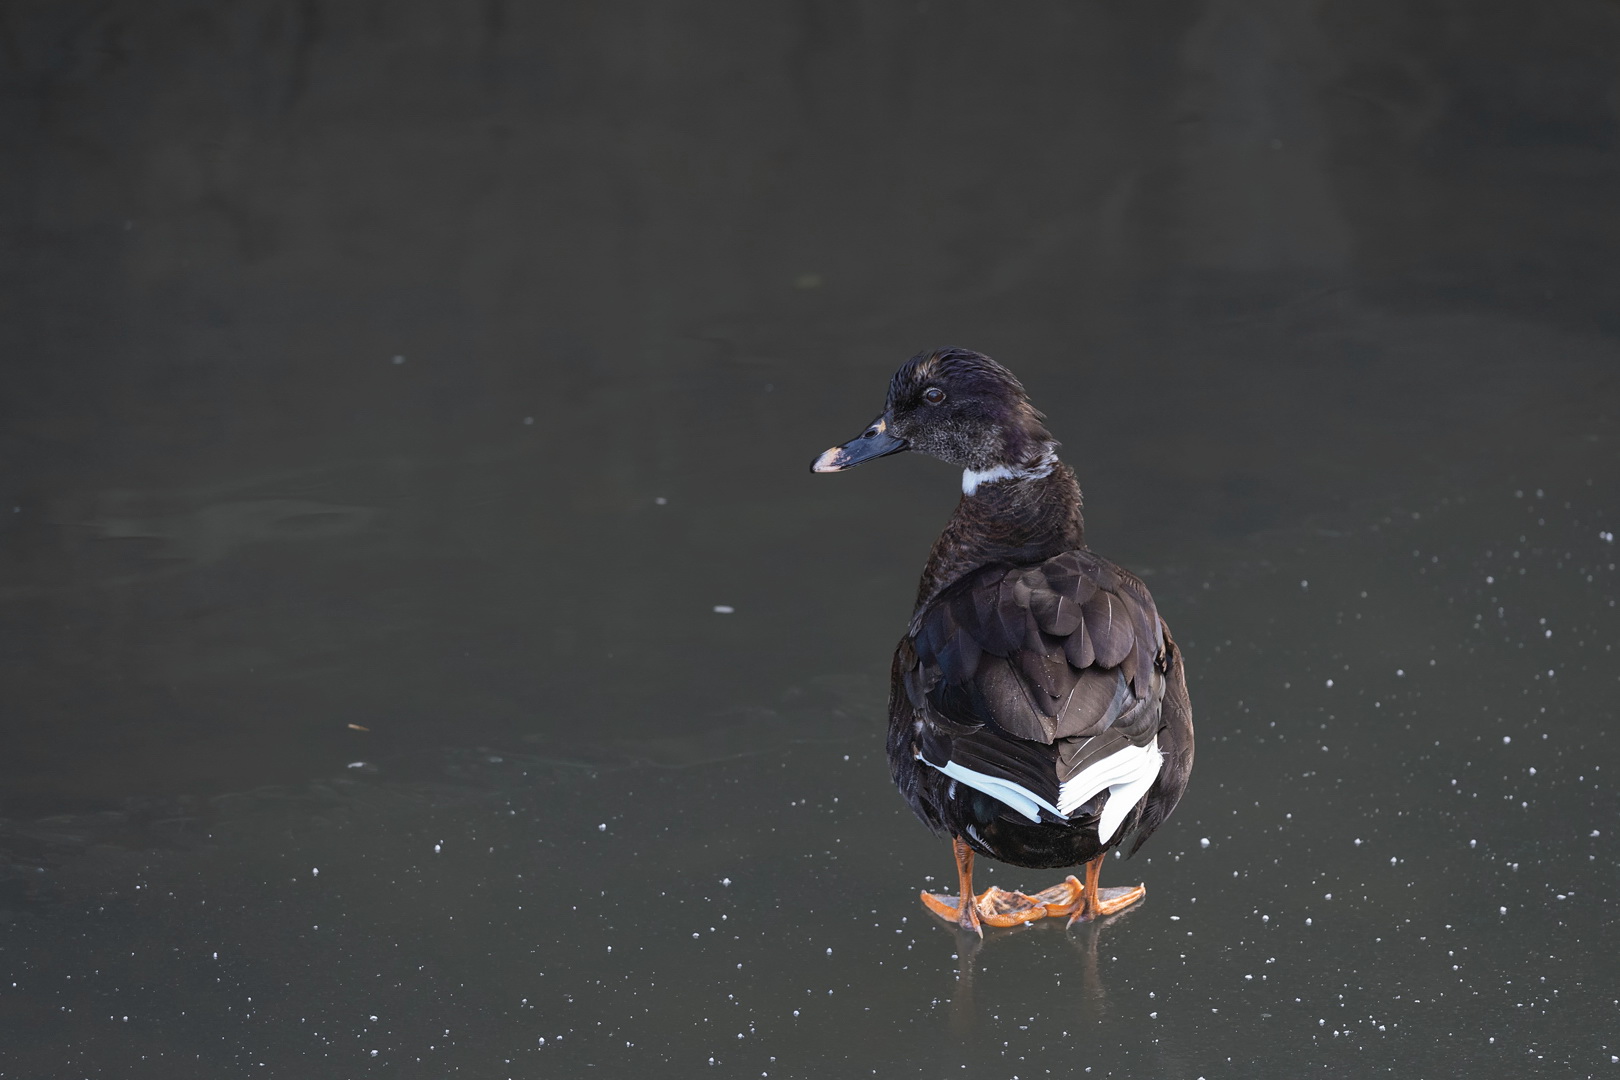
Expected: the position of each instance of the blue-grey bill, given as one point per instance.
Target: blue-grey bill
(874, 442)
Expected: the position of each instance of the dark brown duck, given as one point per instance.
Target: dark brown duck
(1038, 713)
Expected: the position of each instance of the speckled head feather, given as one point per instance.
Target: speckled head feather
(984, 419)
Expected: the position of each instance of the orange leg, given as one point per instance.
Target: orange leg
(998, 907)
(967, 908)
(963, 909)
(1098, 901)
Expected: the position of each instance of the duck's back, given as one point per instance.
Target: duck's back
(1034, 695)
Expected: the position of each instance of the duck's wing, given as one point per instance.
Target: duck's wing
(1042, 685)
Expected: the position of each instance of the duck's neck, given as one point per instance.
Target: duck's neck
(1013, 515)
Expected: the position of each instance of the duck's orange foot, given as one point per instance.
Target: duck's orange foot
(1107, 902)
(998, 907)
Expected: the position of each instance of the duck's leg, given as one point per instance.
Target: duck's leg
(964, 912)
(997, 907)
(1098, 901)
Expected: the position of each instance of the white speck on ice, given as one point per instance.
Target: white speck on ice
(602, 827)
(399, 359)
(1473, 843)
(1358, 841)
(528, 420)
(1304, 584)
(1400, 673)
(661, 501)
(1330, 682)
(829, 952)
(356, 765)
(315, 871)
(724, 609)
(1596, 833)
(1506, 739)
(725, 881)
(437, 848)
(1501, 911)
(1203, 841)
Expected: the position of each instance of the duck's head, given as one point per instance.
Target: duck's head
(956, 405)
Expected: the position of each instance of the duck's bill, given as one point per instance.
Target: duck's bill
(874, 442)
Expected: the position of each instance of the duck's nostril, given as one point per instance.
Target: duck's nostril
(869, 433)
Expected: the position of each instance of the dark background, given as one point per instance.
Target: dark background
(438, 368)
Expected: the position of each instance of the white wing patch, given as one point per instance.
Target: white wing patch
(1127, 773)
(1130, 772)
(1017, 796)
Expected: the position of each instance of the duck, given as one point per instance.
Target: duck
(1038, 706)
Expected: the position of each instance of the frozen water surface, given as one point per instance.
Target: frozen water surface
(1321, 308)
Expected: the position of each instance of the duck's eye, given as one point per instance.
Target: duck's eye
(934, 395)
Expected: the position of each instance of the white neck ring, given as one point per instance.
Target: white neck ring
(973, 479)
